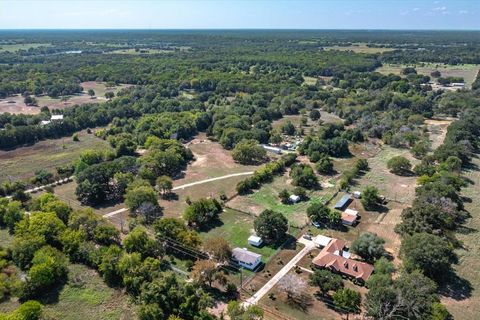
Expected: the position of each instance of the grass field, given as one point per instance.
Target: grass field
(86, 296)
(466, 71)
(236, 227)
(462, 303)
(359, 48)
(21, 163)
(21, 46)
(267, 198)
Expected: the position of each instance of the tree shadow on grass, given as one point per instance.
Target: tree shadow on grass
(51, 296)
(455, 287)
(217, 223)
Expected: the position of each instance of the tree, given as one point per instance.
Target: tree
(347, 299)
(294, 287)
(139, 241)
(284, 196)
(109, 95)
(324, 165)
(207, 271)
(29, 310)
(318, 212)
(218, 248)
(271, 226)
(236, 311)
(49, 266)
(399, 165)
(108, 266)
(202, 212)
(164, 184)
(369, 246)
(248, 152)
(361, 165)
(138, 197)
(326, 280)
(288, 128)
(91, 93)
(175, 229)
(302, 175)
(428, 253)
(370, 197)
(314, 115)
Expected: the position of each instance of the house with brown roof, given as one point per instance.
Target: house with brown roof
(333, 258)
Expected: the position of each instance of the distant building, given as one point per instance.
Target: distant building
(45, 122)
(458, 84)
(357, 194)
(247, 259)
(272, 149)
(255, 241)
(334, 257)
(57, 117)
(343, 202)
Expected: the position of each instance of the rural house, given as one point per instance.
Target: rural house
(247, 259)
(334, 258)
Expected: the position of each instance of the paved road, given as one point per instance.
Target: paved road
(276, 278)
(187, 185)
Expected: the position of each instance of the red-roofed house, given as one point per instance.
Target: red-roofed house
(333, 258)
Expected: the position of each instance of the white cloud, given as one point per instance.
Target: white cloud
(415, 9)
(440, 8)
(463, 11)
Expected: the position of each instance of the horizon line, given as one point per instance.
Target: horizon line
(234, 29)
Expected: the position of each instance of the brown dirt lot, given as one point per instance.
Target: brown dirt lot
(437, 130)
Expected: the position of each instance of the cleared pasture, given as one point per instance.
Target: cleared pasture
(16, 105)
(21, 163)
(466, 71)
(21, 46)
(360, 48)
(463, 297)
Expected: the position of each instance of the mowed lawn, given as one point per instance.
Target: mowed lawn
(267, 198)
(463, 303)
(236, 227)
(21, 163)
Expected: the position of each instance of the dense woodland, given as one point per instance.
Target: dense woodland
(231, 85)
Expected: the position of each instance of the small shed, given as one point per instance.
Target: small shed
(343, 202)
(348, 219)
(357, 194)
(247, 259)
(57, 117)
(321, 241)
(351, 212)
(44, 122)
(294, 198)
(255, 241)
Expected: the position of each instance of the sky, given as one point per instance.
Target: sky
(240, 14)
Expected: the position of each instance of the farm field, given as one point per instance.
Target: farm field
(463, 299)
(21, 163)
(16, 105)
(466, 71)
